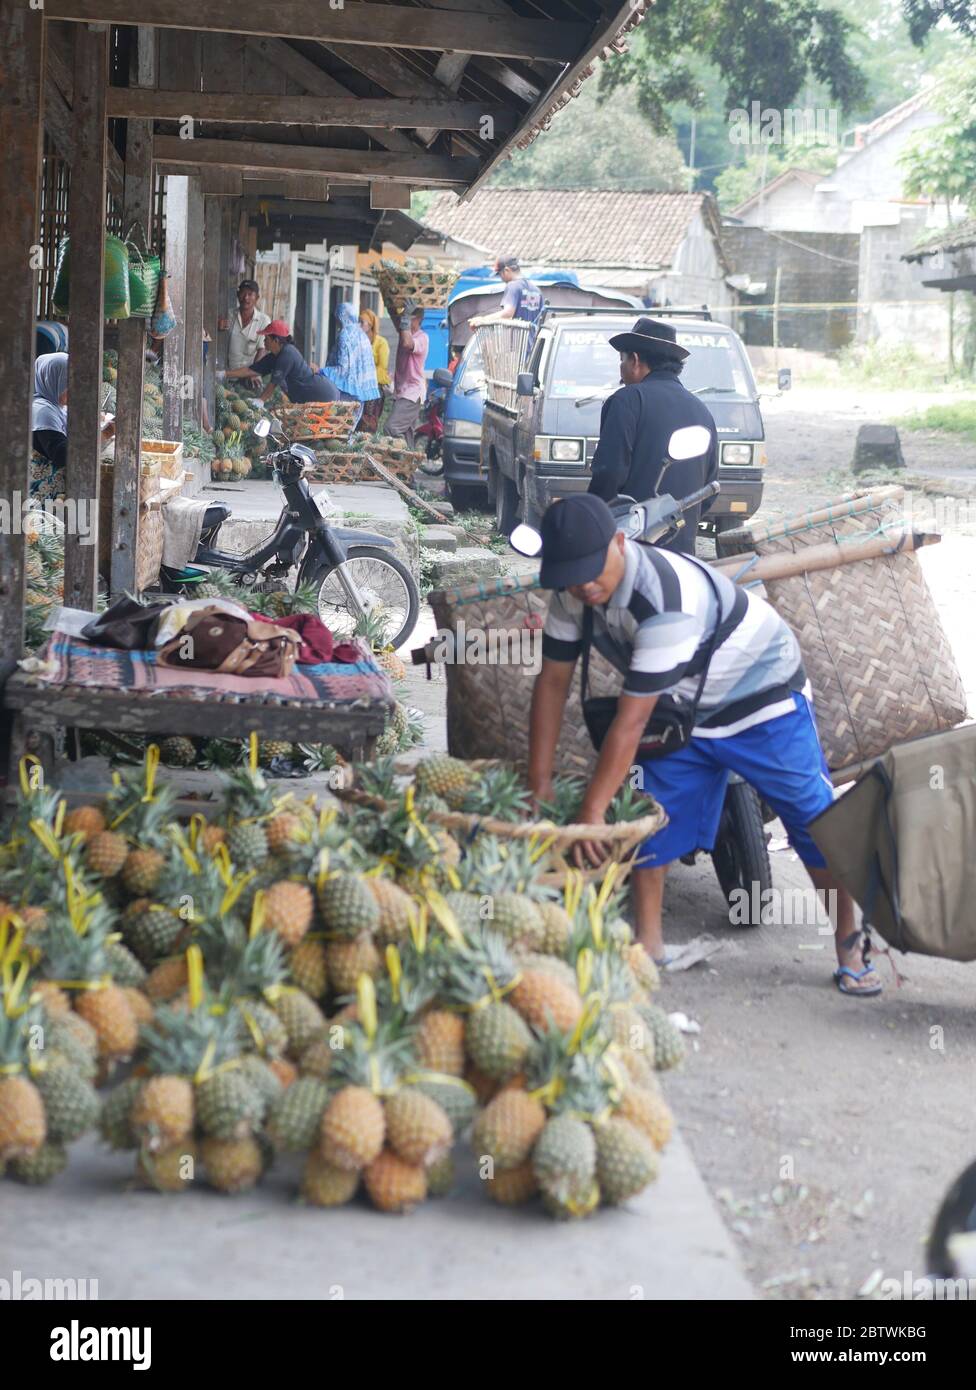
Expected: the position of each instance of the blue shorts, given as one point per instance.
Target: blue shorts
(781, 758)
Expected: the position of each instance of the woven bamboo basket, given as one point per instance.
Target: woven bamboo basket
(556, 842)
(318, 419)
(878, 660)
(149, 544)
(488, 702)
(429, 289)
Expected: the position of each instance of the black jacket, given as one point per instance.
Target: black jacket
(636, 424)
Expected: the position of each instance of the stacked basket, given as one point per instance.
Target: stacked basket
(414, 282)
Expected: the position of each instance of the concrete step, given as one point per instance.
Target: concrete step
(440, 538)
(467, 563)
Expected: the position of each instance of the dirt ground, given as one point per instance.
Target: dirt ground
(828, 1128)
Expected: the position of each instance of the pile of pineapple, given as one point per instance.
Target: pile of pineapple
(335, 987)
(44, 576)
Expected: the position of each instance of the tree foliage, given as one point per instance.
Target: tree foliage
(738, 182)
(765, 51)
(940, 161)
(924, 15)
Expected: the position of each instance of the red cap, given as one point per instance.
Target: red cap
(277, 328)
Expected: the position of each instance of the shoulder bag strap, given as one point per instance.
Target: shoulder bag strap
(587, 644)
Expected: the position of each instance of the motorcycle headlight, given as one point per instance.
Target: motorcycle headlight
(737, 453)
(566, 450)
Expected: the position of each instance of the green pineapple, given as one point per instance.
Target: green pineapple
(626, 1160)
(455, 1097)
(497, 1040)
(247, 845)
(178, 751)
(41, 1166)
(114, 1122)
(448, 777)
(227, 1104)
(303, 1020)
(669, 1047)
(347, 906)
(295, 1117)
(564, 1163)
(71, 1103)
(273, 748)
(125, 968)
(151, 930)
(499, 793)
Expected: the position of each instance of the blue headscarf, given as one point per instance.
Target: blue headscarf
(50, 384)
(350, 364)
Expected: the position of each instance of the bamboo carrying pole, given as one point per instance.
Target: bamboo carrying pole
(747, 568)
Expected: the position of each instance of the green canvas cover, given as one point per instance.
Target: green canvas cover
(903, 841)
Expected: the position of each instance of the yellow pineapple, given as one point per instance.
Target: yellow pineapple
(542, 1000)
(326, 1186)
(288, 909)
(417, 1129)
(162, 1114)
(168, 1170)
(110, 1014)
(106, 852)
(166, 979)
(440, 1042)
(512, 1186)
(309, 971)
(233, 1165)
(353, 1128)
(393, 1185)
(23, 1128)
(85, 821)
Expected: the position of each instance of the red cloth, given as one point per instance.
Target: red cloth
(318, 644)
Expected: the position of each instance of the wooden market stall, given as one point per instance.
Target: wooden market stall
(194, 122)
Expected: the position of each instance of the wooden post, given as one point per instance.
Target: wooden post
(779, 276)
(212, 223)
(226, 279)
(22, 141)
(86, 223)
(132, 347)
(193, 305)
(176, 205)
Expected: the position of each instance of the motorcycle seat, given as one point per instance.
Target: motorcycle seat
(215, 515)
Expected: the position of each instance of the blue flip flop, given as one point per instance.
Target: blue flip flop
(845, 970)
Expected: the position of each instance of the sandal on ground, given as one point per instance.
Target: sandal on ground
(841, 973)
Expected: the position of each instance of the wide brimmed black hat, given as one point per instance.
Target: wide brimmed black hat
(651, 338)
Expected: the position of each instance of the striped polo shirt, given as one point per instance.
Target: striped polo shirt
(655, 630)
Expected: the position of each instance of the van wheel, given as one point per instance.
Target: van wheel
(466, 497)
(506, 504)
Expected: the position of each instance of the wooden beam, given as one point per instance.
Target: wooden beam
(386, 113)
(359, 166)
(312, 186)
(86, 227)
(319, 83)
(193, 304)
(138, 209)
(177, 194)
(213, 218)
(222, 183)
(59, 58)
(395, 196)
(22, 141)
(381, 26)
(60, 124)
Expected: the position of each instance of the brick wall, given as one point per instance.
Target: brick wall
(816, 268)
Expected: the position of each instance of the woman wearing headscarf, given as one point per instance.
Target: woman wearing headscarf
(49, 426)
(373, 409)
(349, 365)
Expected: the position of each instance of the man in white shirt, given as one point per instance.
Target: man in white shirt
(246, 327)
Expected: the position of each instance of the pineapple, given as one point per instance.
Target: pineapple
(507, 1129)
(447, 777)
(247, 845)
(80, 955)
(151, 930)
(345, 961)
(273, 748)
(512, 1186)
(162, 1113)
(353, 1128)
(669, 1047)
(440, 1041)
(440, 1177)
(143, 815)
(85, 821)
(71, 1104)
(232, 1165)
(281, 831)
(40, 1166)
(394, 1185)
(288, 909)
(295, 1118)
(166, 980)
(140, 1005)
(317, 1059)
(541, 999)
(325, 1186)
(497, 1040)
(347, 906)
(454, 1096)
(178, 751)
(372, 626)
(106, 852)
(302, 1018)
(648, 1112)
(564, 1162)
(557, 929)
(417, 1129)
(115, 1121)
(645, 971)
(626, 1161)
(395, 911)
(126, 969)
(227, 1105)
(499, 793)
(263, 1082)
(23, 1127)
(168, 1170)
(307, 964)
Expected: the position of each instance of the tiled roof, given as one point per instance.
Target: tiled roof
(955, 238)
(574, 227)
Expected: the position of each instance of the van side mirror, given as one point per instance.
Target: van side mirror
(525, 384)
(442, 377)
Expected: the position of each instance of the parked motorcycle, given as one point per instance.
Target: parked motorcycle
(352, 573)
(740, 856)
(429, 434)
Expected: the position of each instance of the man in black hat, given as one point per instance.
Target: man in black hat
(663, 620)
(638, 421)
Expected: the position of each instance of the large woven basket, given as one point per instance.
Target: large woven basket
(556, 843)
(318, 419)
(488, 702)
(149, 541)
(880, 665)
(428, 289)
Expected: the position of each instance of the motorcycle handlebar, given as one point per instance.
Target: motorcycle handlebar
(702, 495)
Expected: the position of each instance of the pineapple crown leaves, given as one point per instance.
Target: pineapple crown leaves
(477, 972)
(190, 1042)
(575, 1071)
(412, 979)
(21, 1021)
(135, 805)
(376, 1060)
(247, 795)
(629, 804)
(567, 797)
(250, 969)
(379, 778)
(73, 946)
(500, 793)
(492, 865)
(374, 626)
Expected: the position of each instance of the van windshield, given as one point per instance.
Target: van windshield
(470, 375)
(584, 364)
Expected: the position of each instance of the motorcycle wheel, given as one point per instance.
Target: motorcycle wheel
(432, 464)
(740, 856)
(384, 584)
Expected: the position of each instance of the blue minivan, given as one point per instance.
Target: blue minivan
(478, 291)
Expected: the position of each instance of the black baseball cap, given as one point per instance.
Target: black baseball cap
(576, 533)
(249, 285)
